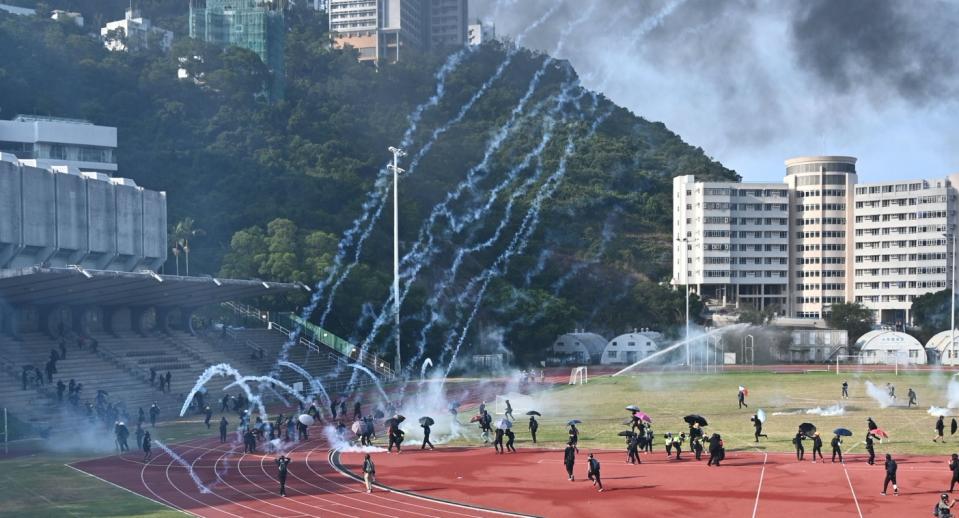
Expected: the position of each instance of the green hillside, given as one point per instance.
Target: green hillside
(274, 186)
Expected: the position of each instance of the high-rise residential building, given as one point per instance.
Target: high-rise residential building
(480, 33)
(134, 32)
(45, 142)
(257, 25)
(816, 239)
(387, 29)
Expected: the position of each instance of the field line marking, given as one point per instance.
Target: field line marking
(132, 492)
(854, 498)
(760, 488)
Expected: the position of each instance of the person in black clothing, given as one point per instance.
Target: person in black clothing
(223, 424)
(816, 446)
(891, 468)
(282, 462)
(208, 414)
(636, 424)
(122, 433)
(569, 459)
(37, 377)
(871, 424)
(954, 468)
(533, 427)
(498, 440)
(742, 398)
(154, 412)
(395, 436)
(797, 441)
(510, 437)
(836, 443)
(153, 375)
(343, 408)
(632, 450)
(593, 472)
(668, 437)
(940, 427)
(715, 450)
(426, 436)
(147, 444)
(758, 425)
(697, 446)
(870, 449)
(912, 397)
(63, 349)
(678, 444)
(168, 377)
(249, 441)
(139, 434)
(509, 411)
(61, 386)
(357, 411)
(333, 406)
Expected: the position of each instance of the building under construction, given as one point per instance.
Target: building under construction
(256, 25)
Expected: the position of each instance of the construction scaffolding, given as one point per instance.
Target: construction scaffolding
(257, 25)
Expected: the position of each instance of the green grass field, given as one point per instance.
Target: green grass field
(668, 397)
(40, 484)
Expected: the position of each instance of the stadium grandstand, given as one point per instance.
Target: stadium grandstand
(82, 303)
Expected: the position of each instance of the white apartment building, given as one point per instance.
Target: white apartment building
(49, 141)
(816, 239)
(386, 29)
(479, 33)
(134, 32)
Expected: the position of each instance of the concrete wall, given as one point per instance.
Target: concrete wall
(60, 219)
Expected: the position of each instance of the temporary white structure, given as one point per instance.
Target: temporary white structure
(890, 347)
(939, 344)
(629, 348)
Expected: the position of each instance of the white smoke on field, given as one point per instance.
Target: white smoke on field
(880, 395)
(952, 393)
(344, 444)
(88, 439)
(829, 411)
(937, 411)
(790, 412)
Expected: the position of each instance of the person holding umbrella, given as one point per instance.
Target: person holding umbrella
(632, 449)
(816, 447)
(797, 441)
(426, 422)
(569, 459)
(533, 426)
(758, 425)
(498, 441)
(593, 472)
(891, 468)
(871, 424)
(954, 468)
(836, 443)
(510, 437)
(395, 434)
(715, 450)
(742, 397)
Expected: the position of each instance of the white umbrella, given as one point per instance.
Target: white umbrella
(761, 415)
(504, 424)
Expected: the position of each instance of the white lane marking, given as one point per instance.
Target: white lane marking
(760, 488)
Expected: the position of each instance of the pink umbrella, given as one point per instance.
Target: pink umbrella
(879, 432)
(642, 416)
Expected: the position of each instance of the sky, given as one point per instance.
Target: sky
(754, 82)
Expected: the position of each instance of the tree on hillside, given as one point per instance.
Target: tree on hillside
(180, 235)
(853, 317)
(930, 313)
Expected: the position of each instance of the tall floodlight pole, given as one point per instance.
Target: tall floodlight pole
(952, 295)
(685, 242)
(397, 153)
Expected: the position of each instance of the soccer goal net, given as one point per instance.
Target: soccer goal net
(854, 363)
(579, 376)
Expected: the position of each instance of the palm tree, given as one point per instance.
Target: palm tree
(181, 234)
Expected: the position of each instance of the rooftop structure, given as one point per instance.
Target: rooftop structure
(50, 141)
(134, 32)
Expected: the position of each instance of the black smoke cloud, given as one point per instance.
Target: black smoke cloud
(894, 47)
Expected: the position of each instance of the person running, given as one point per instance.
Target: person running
(569, 460)
(797, 441)
(369, 473)
(223, 424)
(498, 441)
(845, 389)
(836, 443)
(891, 468)
(944, 506)
(533, 427)
(574, 436)
(395, 438)
(632, 450)
(207, 415)
(593, 473)
(816, 447)
(892, 390)
(742, 397)
(510, 437)
(871, 424)
(282, 462)
(678, 444)
(426, 436)
(147, 445)
(870, 448)
(509, 411)
(912, 397)
(940, 428)
(758, 425)
(954, 468)
(154, 413)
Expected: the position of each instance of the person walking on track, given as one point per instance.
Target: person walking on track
(282, 462)
(369, 473)
(891, 468)
(569, 459)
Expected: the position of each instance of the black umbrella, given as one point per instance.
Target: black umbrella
(633, 408)
(807, 429)
(954, 426)
(428, 421)
(397, 418)
(626, 433)
(693, 418)
(573, 421)
(378, 414)
(533, 412)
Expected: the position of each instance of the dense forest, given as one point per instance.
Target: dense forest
(577, 236)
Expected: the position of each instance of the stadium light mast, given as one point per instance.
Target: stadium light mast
(952, 295)
(397, 153)
(685, 242)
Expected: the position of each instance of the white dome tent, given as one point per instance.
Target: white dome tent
(885, 346)
(579, 347)
(939, 344)
(630, 347)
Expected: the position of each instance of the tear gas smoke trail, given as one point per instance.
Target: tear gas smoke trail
(607, 236)
(376, 198)
(937, 411)
(376, 380)
(521, 238)
(225, 370)
(264, 381)
(879, 395)
(652, 22)
(189, 469)
(830, 411)
(426, 363)
(952, 392)
(428, 146)
(316, 385)
(544, 255)
(682, 343)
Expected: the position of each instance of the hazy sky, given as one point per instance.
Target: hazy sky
(754, 82)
